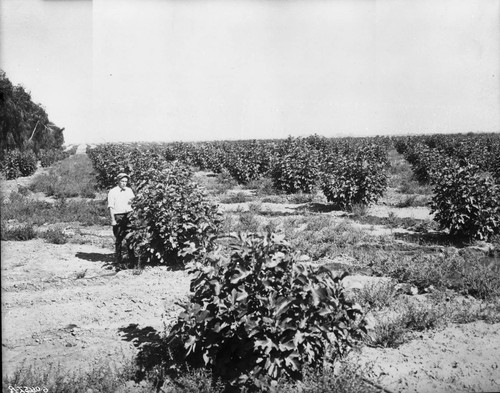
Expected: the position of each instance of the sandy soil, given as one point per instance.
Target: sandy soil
(51, 315)
(460, 358)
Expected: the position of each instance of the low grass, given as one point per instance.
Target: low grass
(466, 312)
(18, 233)
(215, 184)
(464, 274)
(54, 236)
(376, 296)
(393, 221)
(322, 236)
(411, 186)
(236, 197)
(71, 177)
(401, 176)
(33, 212)
(262, 186)
(245, 220)
(396, 323)
(344, 377)
(101, 378)
(412, 201)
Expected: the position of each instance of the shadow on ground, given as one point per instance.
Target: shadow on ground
(316, 207)
(432, 238)
(139, 336)
(96, 256)
(152, 350)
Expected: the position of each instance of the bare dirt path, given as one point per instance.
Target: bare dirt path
(460, 358)
(51, 315)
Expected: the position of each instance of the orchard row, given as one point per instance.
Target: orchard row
(465, 173)
(348, 171)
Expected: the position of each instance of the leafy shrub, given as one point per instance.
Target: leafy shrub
(258, 315)
(351, 181)
(243, 164)
(173, 219)
(17, 163)
(495, 169)
(296, 170)
(466, 203)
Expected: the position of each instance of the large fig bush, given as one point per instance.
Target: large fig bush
(173, 219)
(467, 203)
(258, 315)
(354, 180)
(18, 163)
(296, 169)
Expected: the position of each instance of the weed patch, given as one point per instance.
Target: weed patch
(263, 186)
(323, 237)
(34, 212)
(101, 378)
(393, 221)
(465, 275)
(375, 296)
(54, 236)
(411, 201)
(238, 197)
(224, 183)
(19, 233)
(395, 325)
(413, 187)
(300, 197)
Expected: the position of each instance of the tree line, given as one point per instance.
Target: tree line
(24, 124)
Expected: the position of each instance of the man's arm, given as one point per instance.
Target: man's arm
(112, 214)
(111, 204)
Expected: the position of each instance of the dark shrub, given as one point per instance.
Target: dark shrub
(173, 219)
(466, 203)
(258, 315)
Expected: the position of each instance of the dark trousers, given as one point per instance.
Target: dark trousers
(120, 230)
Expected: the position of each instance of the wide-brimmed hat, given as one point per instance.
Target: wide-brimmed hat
(121, 176)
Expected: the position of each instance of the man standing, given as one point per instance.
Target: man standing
(119, 204)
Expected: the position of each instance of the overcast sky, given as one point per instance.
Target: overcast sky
(164, 70)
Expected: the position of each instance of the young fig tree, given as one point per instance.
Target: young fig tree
(258, 315)
(173, 220)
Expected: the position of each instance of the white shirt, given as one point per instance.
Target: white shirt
(120, 200)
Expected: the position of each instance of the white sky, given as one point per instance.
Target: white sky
(164, 70)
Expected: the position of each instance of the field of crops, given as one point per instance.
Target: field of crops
(375, 256)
